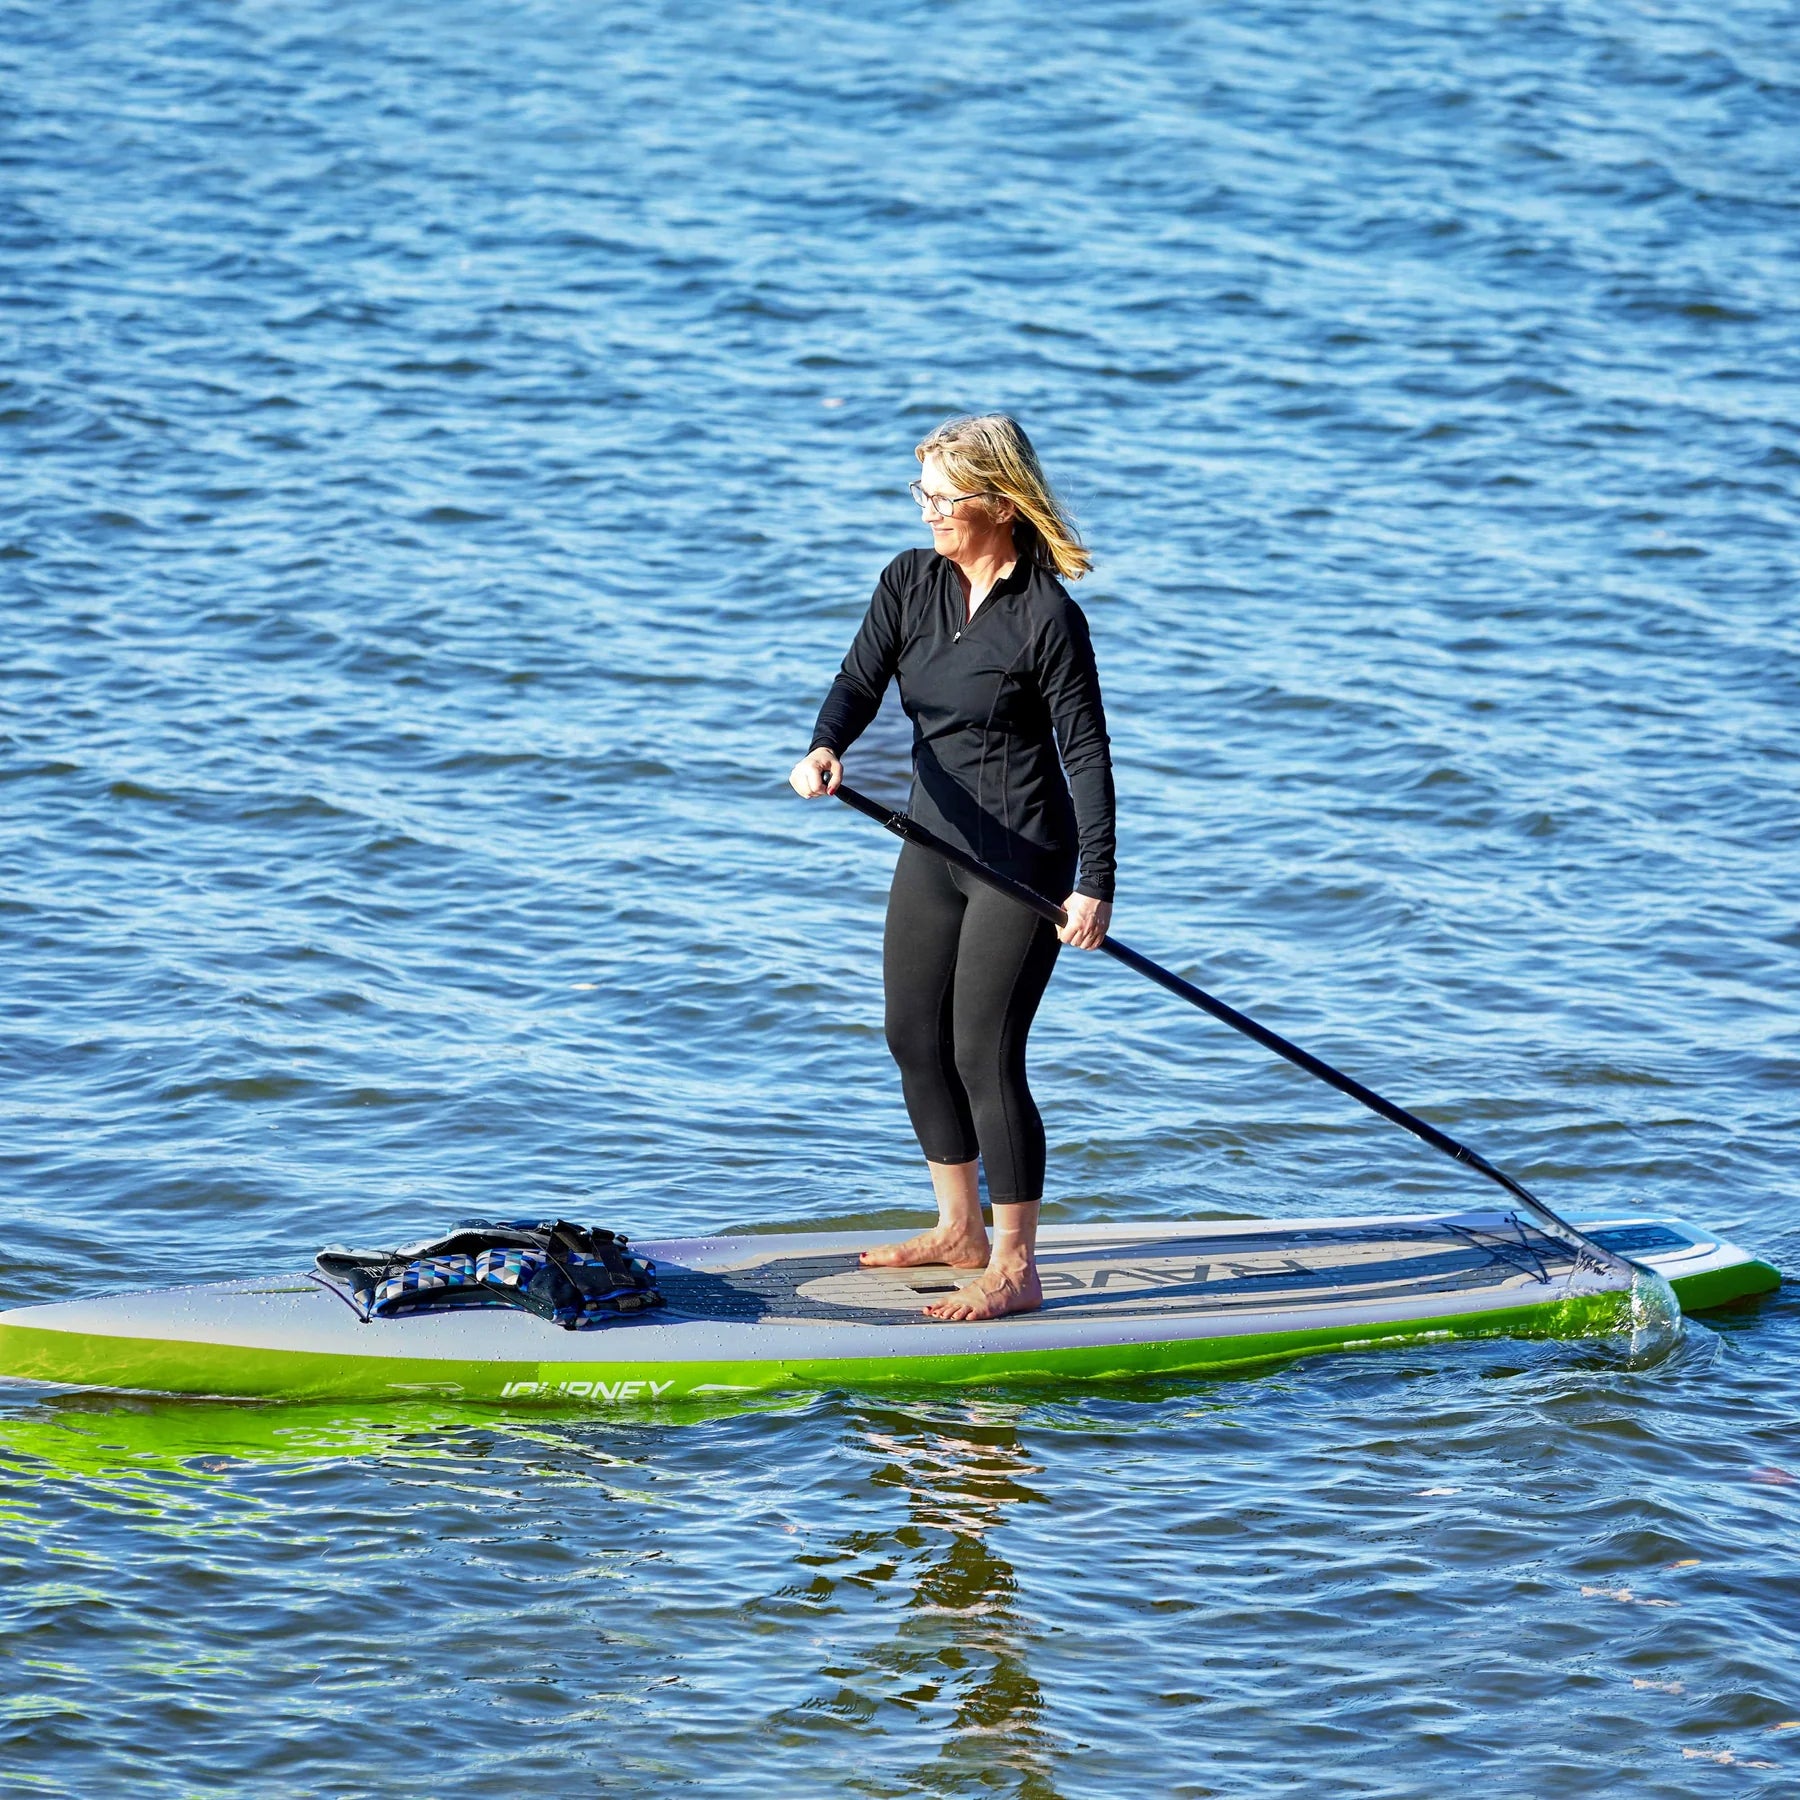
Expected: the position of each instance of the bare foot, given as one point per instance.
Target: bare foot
(959, 1250)
(992, 1296)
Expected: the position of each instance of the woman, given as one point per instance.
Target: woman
(997, 674)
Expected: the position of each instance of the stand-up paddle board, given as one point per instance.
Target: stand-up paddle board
(764, 1312)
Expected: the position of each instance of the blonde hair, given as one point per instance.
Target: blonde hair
(989, 453)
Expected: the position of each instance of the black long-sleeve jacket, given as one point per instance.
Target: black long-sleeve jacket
(992, 701)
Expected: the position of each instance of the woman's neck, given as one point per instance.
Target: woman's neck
(984, 571)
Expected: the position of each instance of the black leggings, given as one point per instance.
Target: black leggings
(965, 968)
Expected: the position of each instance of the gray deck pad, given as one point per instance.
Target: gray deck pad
(1186, 1271)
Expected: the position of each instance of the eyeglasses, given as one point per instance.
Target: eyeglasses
(943, 506)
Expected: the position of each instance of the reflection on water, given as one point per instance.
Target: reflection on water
(92, 1437)
(960, 1654)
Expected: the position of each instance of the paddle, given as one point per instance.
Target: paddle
(914, 833)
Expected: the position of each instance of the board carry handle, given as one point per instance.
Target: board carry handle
(910, 831)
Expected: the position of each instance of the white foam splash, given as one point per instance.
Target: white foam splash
(1656, 1319)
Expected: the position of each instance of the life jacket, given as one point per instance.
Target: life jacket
(573, 1275)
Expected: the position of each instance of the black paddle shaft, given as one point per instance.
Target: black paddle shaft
(912, 832)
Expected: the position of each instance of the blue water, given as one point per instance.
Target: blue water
(447, 449)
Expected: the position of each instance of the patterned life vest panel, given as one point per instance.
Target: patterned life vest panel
(574, 1275)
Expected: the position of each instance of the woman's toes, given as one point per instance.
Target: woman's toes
(993, 1299)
